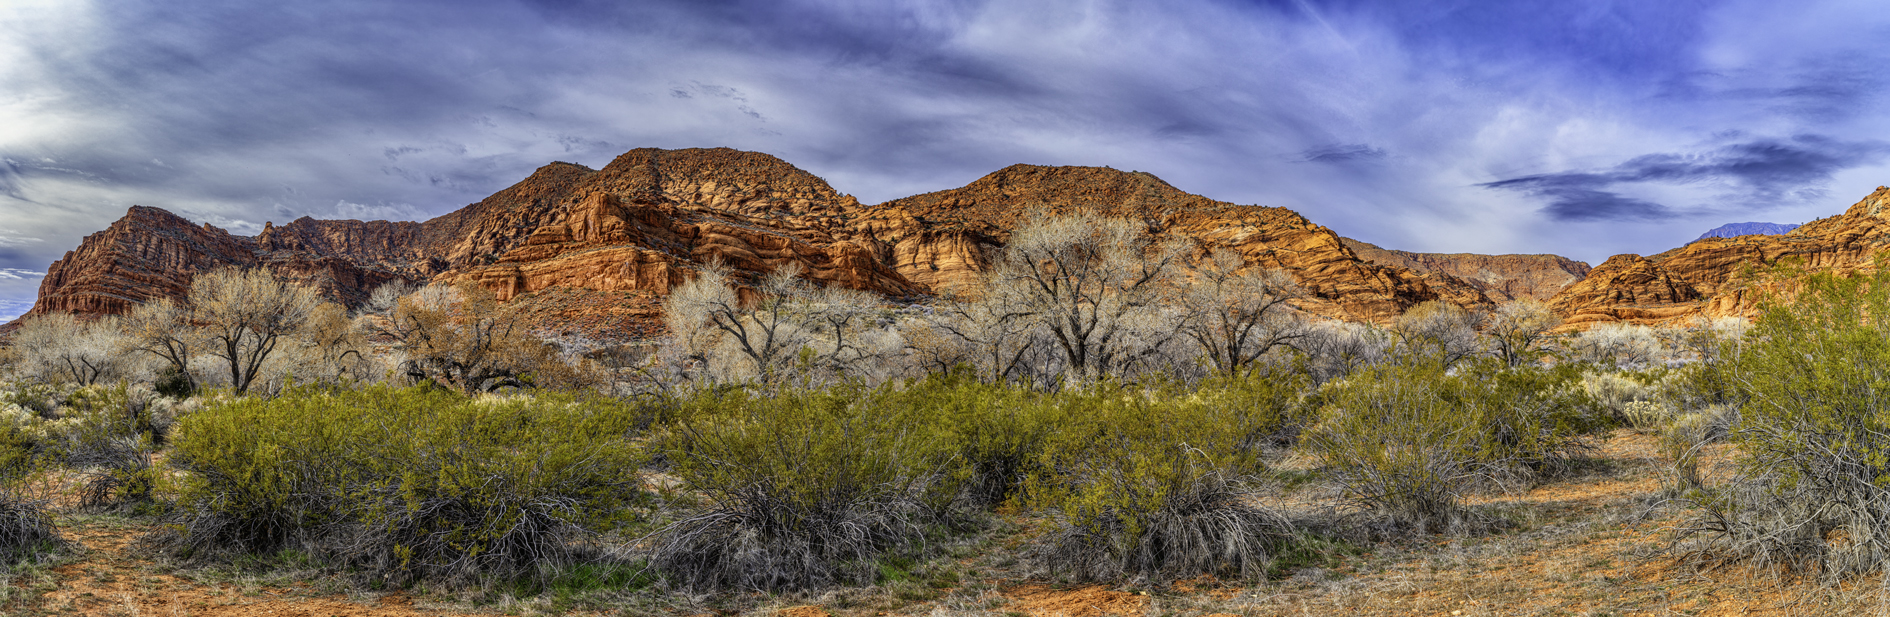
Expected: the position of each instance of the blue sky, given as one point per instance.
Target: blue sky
(1579, 128)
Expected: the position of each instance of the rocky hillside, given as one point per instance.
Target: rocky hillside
(628, 232)
(1718, 277)
(1500, 277)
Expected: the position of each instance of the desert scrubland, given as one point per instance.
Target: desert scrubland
(1102, 422)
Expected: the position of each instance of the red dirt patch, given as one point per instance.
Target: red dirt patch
(803, 611)
(1092, 601)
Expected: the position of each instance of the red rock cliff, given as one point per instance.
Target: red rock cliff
(1501, 277)
(1717, 277)
(627, 233)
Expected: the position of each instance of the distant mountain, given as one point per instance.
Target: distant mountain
(1748, 229)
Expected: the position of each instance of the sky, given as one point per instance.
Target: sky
(1581, 128)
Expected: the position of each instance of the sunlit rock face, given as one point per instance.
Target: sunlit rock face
(626, 234)
(1720, 277)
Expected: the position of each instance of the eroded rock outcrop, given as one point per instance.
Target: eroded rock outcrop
(1500, 277)
(944, 238)
(627, 233)
(1718, 277)
(150, 253)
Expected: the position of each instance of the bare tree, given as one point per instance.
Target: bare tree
(329, 346)
(61, 347)
(243, 315)
(163, 328)
(788, 322)
(981, 332)
(1619, 344)
(1518, 328)
(1438, 329)
(460, 337)
(688, 309)
(1705, 338)
(1237, 315)
(1335, 349)
(1096, 285)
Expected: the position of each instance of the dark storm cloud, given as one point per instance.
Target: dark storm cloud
(1759, 172)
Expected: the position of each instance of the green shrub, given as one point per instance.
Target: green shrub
(1407, 440)
(109, 434)
(1813, 492)
(17, 448)
(1155, 484)
(997, 431)
(405, 483)
(36, 397)
(803, 489)
(1704, 384)
(174, 383)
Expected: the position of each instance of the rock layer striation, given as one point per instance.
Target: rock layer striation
(1500, 277)
(652, 218)
(1722, 277)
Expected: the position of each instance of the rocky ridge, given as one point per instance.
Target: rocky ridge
(651, 218)
(1500, 277)
(1721, 277)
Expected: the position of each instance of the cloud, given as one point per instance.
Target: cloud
(238, 113)
(1344, 153)
(1754, 173)
(8, 239)
(17, 274)
(13, 308)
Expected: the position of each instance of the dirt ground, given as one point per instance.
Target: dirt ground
(107, 574)
(1588, 544)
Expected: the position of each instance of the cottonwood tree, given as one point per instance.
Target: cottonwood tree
(1616, 343)
(1438, 329)
(787, 321)
(243, 316)
(1096, 285)
(1706, 338)
(1236, 315)
(1335, 349)
(162, 328)
(982, 333)
(329, 346)
(1517, 329)
(461, 338)
(61, 347)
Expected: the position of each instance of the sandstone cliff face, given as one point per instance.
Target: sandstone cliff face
(945, 238)
(1500, 277)
(1719, 277)
(624, 235)
(652, 217)
(150, 253)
